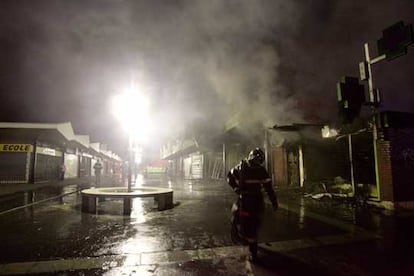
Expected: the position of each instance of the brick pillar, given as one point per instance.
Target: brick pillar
(385, 170)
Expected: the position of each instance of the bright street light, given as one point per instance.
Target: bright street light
(131, 108)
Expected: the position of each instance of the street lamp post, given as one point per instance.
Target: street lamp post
(130, 160)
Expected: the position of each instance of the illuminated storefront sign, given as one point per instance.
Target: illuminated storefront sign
(16, 148)
(48, 151)
(86, 155)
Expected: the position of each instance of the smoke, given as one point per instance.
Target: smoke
(271, 61)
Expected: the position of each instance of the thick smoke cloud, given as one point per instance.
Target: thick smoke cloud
(273, 61)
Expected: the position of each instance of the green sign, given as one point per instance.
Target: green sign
(156, 170)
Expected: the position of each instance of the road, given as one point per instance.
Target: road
(51, 236)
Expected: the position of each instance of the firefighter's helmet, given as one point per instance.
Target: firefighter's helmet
(256, 156)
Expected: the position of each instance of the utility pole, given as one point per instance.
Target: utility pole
(374, 100)
(351, 163)
(393, 44)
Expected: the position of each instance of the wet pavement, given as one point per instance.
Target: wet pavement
(51, 236)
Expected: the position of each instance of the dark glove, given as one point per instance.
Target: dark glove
(275, 206)
(237, 190)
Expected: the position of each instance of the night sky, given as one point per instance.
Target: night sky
(276, 60)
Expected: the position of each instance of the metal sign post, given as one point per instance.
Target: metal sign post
(393, 44)
(373, 101)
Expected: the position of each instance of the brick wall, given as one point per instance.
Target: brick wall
(385, 171)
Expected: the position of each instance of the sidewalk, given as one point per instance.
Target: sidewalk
(84, 182)
(7, 189)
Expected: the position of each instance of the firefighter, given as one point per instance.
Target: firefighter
(247, 179)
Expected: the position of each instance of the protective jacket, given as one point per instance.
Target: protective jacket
(247, 180)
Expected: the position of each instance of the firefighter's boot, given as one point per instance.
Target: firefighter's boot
(253, 252)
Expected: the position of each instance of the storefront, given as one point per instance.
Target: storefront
(15, 160)
(85, 165)
(47, 163)
(193, 166)
(31, 152)
(72, 165)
